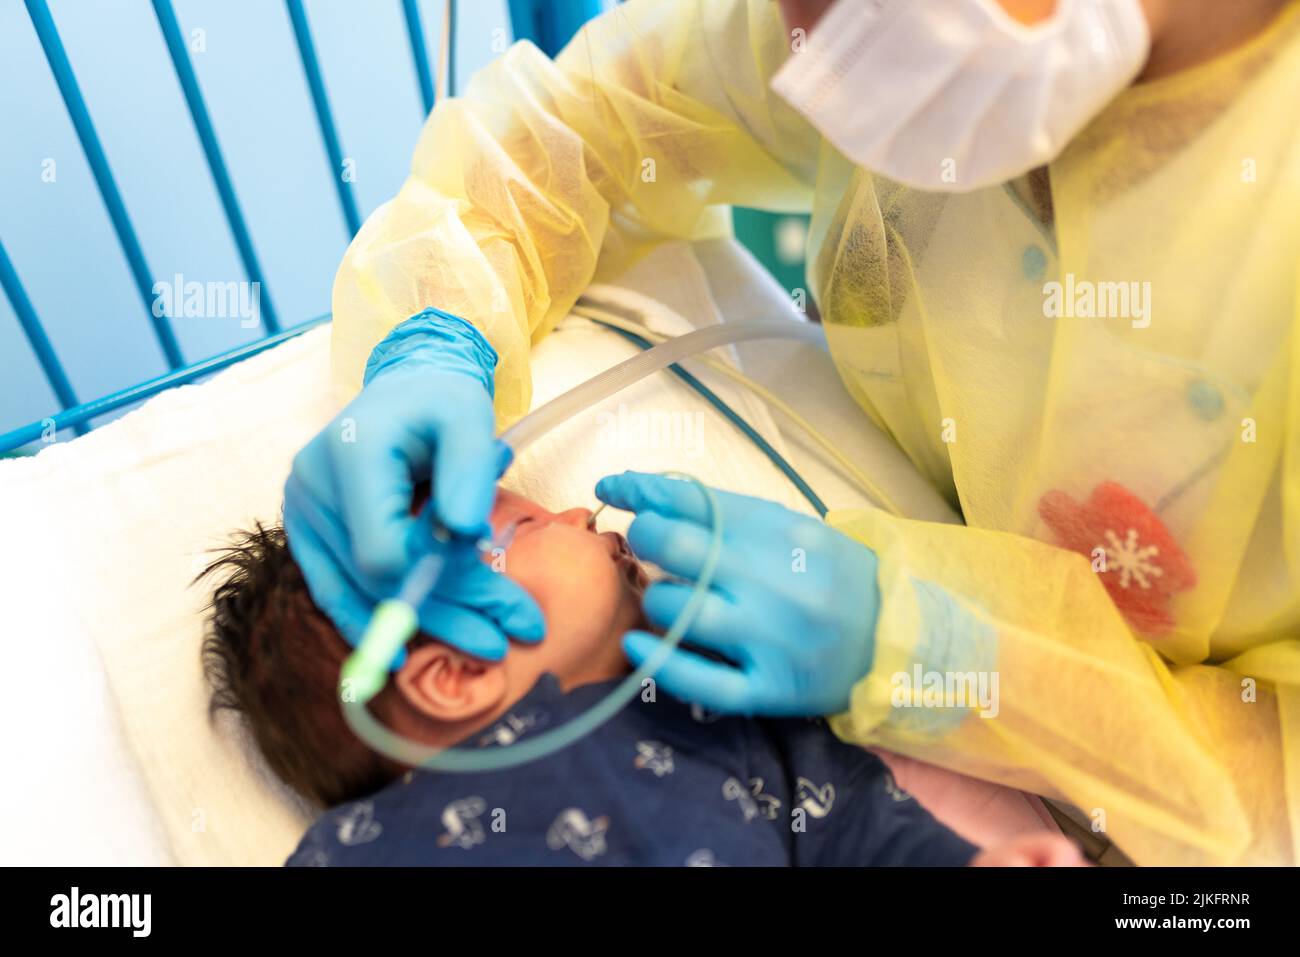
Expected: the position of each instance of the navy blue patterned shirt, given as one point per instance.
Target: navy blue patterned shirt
(661, 783)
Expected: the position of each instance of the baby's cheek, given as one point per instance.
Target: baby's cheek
(571, 576)
(589, 589)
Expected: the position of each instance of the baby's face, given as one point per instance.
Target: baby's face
(588, 584)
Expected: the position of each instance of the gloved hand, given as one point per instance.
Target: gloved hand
(793, 602)
(425, 408)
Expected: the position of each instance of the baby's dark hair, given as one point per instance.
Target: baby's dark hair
(273, 656)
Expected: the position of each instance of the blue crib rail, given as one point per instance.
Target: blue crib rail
(40, 342)
(549, 23)
(171, 31)
(320, 100)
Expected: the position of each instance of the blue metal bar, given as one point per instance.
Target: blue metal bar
(419, 52)
(35, 332)
(81, 414)
(451, 47)
(57, 58)
(171, 31)
(550, 24)
(328, 132)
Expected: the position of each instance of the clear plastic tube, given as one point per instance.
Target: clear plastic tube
(873, 490)
(616, 378)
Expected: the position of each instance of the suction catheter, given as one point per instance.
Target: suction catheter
(395, 620)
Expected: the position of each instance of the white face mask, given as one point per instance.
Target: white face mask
(955, 95)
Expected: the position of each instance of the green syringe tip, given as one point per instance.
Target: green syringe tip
(365, 672)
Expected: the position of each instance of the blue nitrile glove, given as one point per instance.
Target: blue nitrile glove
(793, 602)
(425, 410)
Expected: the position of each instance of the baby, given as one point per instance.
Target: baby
(661, 783)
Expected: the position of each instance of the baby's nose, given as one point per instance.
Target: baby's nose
(577, 517)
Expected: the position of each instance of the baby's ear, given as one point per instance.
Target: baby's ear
(448, 685)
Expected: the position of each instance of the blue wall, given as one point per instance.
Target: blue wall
(59, 235)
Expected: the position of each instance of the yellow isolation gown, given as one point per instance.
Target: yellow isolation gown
(1098, 364)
